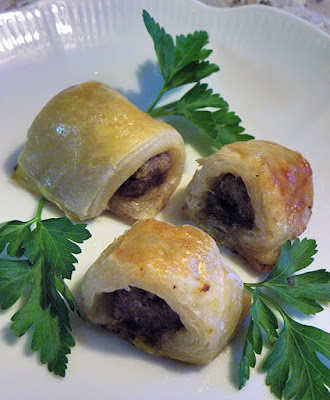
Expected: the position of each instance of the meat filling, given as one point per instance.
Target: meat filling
(230, 204)
(152, 173)
(140, 313)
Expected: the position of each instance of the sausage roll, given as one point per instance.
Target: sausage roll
(251, 197)
(90, 149)
(167, 290)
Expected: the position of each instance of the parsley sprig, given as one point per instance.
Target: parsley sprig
(39, 256)
(293, 367)
(184, 62)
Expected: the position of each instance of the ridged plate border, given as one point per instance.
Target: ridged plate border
(45, 27)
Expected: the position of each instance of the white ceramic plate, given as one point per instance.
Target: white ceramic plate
(274, 74)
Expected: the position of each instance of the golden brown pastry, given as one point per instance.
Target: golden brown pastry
(167, 290)
(90, 149)
(251, 197)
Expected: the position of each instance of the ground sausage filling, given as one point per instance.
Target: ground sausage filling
(152, 173)
(140, 313)
(229, 203)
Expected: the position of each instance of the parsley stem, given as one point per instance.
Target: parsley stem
(252, 285)
(37, 217)
(153, 104)
(162, 111)
(269, 299)
(39, 210)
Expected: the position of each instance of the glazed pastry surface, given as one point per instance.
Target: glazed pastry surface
(266, 198)
(183, 267)
(85, 143)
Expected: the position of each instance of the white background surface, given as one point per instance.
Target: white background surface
(274, 74)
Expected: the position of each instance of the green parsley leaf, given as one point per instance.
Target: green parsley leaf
(42, 260)
(262, 318)
(301, 291)
(15, 277)
(293, 366)
(47, 313)
(253, 345)
(184, 62)
(13, 234)
(57, 237)
(63, 289)
(294, 257)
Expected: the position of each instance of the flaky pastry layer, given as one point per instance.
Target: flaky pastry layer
(85, 143)
(181, 265)
(278, 182)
